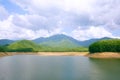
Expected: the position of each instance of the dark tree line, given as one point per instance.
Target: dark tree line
(111, 45)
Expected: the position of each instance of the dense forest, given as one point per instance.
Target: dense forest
(111, 45)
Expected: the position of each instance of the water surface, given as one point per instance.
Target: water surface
(33, 67)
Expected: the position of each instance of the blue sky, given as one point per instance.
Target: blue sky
(80, 19)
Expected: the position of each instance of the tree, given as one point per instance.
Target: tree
(111, 45)
(2, 49)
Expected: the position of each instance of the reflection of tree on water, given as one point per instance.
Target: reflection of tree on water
(105, 69)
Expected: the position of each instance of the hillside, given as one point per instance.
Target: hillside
(29, 46)
(58, 41)
(5, 41)
(87, 43)
(23, 45)
(55, 43)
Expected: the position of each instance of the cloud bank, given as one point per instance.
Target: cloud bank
(81, 19)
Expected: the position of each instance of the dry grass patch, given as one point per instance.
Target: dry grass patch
(3, 54)
(104, 55)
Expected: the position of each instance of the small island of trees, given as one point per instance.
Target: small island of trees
(110, 45)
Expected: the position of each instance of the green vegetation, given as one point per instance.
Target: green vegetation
(60, 44)
(63, 49)
(29, 46)
(23, 46)
(111, 45)
(3, 49)
(55, 43)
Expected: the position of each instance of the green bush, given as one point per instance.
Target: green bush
(22, 50)
(111, 45)
(3, 49)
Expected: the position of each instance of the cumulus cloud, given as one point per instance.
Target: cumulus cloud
(48, 17)
(91, 32)
(3, 13)
(9, 30)
(35, 6)
(106, 12)
(99, 12)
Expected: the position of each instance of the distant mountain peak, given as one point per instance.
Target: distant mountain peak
(59, 35)
(58, 40)
(5, 41)
(106, 38)
(62, 36)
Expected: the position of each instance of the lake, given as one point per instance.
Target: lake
(33, 67)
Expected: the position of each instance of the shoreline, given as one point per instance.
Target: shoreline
(104, 55)
(86, 54)
(3, 54)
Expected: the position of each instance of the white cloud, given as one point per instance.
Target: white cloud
(36, 22)
(100, 12)
(106, 12)
(49, 17)
(27, 21)
(91, 32)
(35, 6)
(3, 13)
(8, 30)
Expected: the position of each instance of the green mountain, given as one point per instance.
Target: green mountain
(23, 45)
(5, 42)
(87, 43)
(58, 41)
(63, 40)
(29, 46)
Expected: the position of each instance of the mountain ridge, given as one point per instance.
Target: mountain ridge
(5, 41)
(59, 37)
(57, 40)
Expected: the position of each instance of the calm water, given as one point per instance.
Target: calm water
(29, 67)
